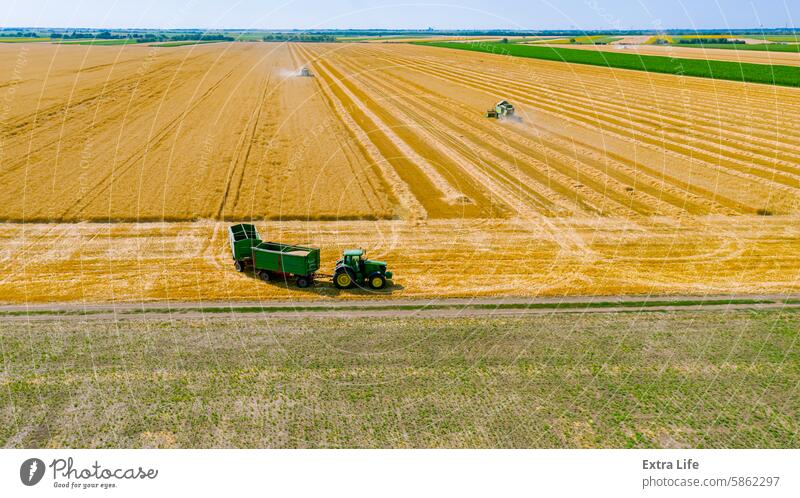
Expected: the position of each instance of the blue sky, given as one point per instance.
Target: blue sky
(465, 14)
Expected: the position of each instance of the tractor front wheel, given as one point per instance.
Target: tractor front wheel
(343, 279)
(377, 281)
(239, 266)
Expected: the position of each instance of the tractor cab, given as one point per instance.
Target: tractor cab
(355, 269)
(354, 258)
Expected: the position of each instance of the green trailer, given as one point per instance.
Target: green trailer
(272, 260)
(276, 261)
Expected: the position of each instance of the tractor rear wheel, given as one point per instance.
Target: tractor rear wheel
(377, 281)
(239, 266)
(303, 282)
(343, 279)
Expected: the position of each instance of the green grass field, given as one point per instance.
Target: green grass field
(582, 40)
(4, 39)
(646, 379)
(767, 47)
(754, 73)
(776, 38)
(187, 42)
(116, 41)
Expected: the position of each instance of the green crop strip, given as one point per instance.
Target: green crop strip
(721, 70)
(188, 42)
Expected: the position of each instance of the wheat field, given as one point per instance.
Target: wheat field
(120, 168)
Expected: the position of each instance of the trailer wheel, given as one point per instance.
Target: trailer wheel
(264, 275)
(343, 279)
(377, 281)
(303, 282)
(239, 266)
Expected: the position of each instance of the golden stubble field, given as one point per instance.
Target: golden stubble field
(121, 167)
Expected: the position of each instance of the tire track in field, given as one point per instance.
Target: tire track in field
(123, 88)
(104, 183)
(242, 153)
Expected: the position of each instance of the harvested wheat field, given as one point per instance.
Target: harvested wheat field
(121, 167)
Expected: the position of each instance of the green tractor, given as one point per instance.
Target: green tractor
(503, 109)
(354, 269)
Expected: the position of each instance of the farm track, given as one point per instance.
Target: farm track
(395, 308)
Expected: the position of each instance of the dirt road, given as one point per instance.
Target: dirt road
(421, 308)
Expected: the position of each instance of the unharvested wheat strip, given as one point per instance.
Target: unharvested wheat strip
(140, 154)
(152, 141)
(79, 116)
(408, 201)
(450, 194)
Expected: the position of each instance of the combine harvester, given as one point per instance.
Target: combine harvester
(305, 72)
(502, 110)
(277, 261)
